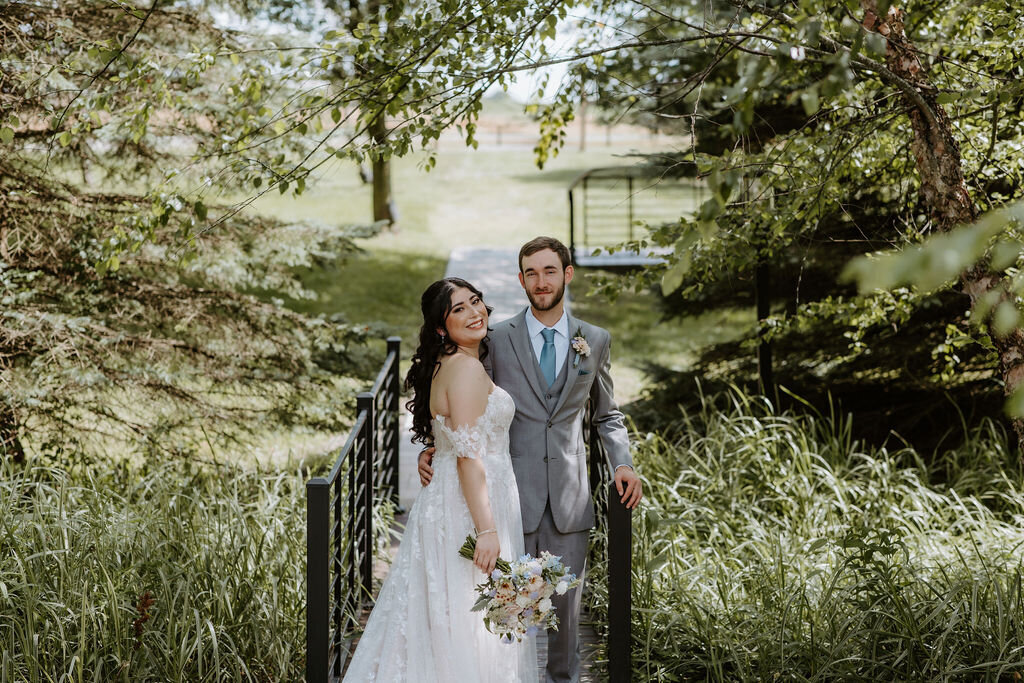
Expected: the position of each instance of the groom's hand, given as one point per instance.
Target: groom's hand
(629, 486)
(423, 465)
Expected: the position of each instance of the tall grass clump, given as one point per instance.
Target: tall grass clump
(774, 547)
(180, 573)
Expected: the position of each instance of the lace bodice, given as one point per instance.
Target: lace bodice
(488, 436)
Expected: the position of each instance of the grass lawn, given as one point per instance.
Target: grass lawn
(490, 197)
(493, 197)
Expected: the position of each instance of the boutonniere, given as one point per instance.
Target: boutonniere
(580, 346)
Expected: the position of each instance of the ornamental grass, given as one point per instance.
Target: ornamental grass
(775, 547)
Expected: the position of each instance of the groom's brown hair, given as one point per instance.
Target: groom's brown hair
(542, 243)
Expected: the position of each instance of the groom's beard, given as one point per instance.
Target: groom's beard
(555, 300)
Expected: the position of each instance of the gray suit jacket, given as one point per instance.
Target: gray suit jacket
(548, 454)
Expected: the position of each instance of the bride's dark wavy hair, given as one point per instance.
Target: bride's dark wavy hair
(436, 305)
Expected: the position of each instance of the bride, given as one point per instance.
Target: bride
(421, 628)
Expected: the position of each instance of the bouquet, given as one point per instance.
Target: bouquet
(516, 598)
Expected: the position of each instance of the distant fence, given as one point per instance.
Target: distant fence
(339, 523)
(608, 206)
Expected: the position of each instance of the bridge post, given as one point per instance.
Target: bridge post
(620, 583)
(318, 602)
(395, 436)
(364, 537)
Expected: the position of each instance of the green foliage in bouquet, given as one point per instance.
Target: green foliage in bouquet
(516, 597)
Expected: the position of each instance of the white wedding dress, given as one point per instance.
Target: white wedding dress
(421, 629)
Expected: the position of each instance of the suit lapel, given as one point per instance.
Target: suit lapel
(570, 370)
(520, 337)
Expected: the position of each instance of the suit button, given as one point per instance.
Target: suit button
(545, 458)
(549, 425)
(547, 396)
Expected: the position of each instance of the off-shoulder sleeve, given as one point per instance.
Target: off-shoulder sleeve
(469, 441)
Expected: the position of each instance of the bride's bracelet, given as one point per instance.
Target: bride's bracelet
(486, 531)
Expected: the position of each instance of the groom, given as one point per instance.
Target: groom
(551, 364)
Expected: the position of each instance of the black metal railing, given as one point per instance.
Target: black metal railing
(340, 534)
(616, 521)
(339, 523)
(607, 206)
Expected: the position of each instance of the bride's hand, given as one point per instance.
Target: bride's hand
(487, 550)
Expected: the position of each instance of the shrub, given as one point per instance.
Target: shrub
(775, 548)
(182, 573)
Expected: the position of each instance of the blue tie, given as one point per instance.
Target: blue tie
(547, 356)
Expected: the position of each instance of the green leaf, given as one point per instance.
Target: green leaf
(200, 210)
(1014, 406)
(809, 101)
(1005, 318)
(657, 562)
(817, 545)
(672, 278)
(6, 135)
(938, 260)
(1005, 254)
(64, 139)
(876, 44)
(710, 209)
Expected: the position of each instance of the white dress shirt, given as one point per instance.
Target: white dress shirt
(561, 328)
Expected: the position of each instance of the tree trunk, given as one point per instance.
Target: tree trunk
(10, 444)
(382, 204)
(763, 301)
(943, 189)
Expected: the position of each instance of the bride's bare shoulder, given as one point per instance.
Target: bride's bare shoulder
(464, 386)
(462, 368)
